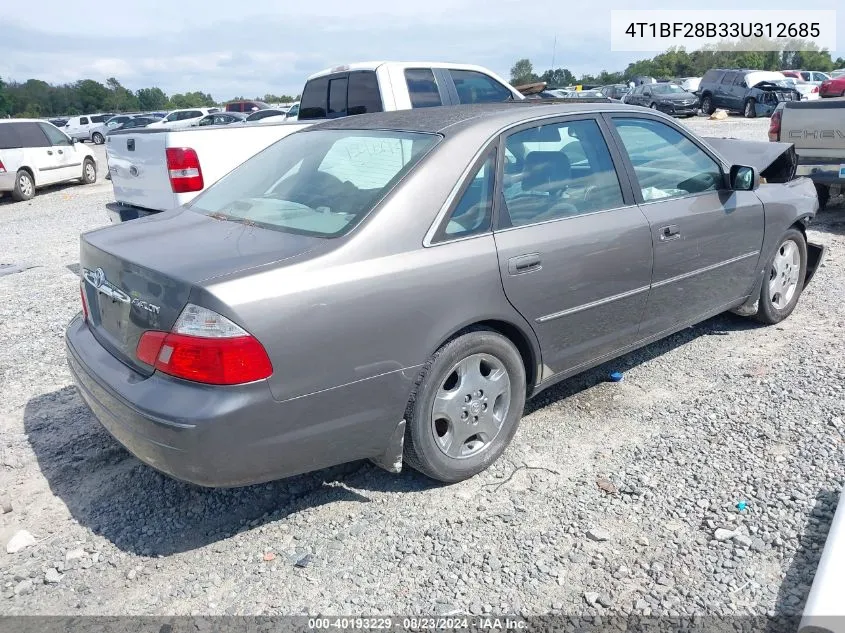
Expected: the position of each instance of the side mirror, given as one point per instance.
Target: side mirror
(744, 178)
(73, 140)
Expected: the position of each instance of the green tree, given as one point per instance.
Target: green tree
(93, 96)
(151, 99)
(120, 99)
(523, 72)
(5, 110)
(192, 100)
(558, 78)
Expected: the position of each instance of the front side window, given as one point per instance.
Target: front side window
(728, 78)
(476, 87)
(473, 213)
(422, 88)
(558, 170)
(320, 182)
(364, 95)
(53, 135)
(667, 164)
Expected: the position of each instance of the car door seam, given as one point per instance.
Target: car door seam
(704, 269)
(593, 304)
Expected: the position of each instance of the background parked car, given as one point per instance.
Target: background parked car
(689, 84)
(135, 122)
(833, 87)
(810, 76)
(87, 127)
(809, 91)
(752, 92)
(183, 118)
(58, 122)
(221, 118)
(293, 113)
(668, 98)
(246, 106)
(270, 113)
(615, 91)
(36, 153)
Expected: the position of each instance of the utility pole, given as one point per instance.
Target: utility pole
(554, 50)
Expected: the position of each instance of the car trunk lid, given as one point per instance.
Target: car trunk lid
(138, 276)
(138, 169)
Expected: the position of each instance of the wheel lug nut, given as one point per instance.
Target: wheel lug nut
(467, 398)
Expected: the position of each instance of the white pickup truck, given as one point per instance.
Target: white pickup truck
(153, 170)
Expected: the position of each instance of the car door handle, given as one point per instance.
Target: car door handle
(49, 152)
(671, 232)
(60, 151)
(524, 264)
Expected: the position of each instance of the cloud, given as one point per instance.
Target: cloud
(256, 49)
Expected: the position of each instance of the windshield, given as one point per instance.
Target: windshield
(664, 89)
(320, 182)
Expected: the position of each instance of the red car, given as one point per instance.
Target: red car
(833, 87)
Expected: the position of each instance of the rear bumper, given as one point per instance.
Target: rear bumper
(7, 181)
(231, 436)
(123, 213)
(822, 171)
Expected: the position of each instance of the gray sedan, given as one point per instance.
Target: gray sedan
(394, 286)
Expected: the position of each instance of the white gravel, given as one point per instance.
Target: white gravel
(626, 504)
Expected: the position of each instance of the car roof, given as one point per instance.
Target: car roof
(412, 64)
(24, 120)
(448, 120)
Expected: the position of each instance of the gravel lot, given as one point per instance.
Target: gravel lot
(618, 511)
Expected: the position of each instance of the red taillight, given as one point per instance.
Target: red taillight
(815, 89)
(183, 166)
(2, 168)
(214, 361)
(774, 125)
(81, 296)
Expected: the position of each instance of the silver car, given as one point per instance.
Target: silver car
(394, 286)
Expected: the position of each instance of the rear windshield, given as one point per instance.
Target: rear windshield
(341, 94)
(319, 183)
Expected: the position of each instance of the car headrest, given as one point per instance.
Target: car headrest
(546, 171)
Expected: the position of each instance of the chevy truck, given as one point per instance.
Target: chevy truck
(153, 170)
(817, 131)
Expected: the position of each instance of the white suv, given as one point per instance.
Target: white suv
(183, 118)
(36, 153)
(87, 127)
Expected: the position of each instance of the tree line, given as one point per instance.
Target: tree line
(677, 62)
(37, 99)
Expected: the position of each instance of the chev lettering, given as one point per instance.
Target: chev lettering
(816, 134)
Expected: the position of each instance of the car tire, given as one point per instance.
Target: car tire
(823, 194)
(748, 110)
(98, 138)
(89, 172)
(784, 273)
(24, 186)
(707, 105)
(441, 443)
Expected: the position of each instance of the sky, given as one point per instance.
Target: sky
(256, 47)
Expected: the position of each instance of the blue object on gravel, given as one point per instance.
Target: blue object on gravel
(615, 376)
(741, 505)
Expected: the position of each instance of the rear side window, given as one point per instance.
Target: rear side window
(83, 120)
(422, 87)
(16, 135)
(739, 80)
(337, 96)
(98, 119)
(728, 78)
(315, 96)
(712, 77)
(475, 87)
(473, 213)
(192, 114)
(364, 93)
